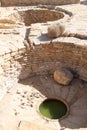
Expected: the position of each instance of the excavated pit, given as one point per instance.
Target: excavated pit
(39, 16)
(53, 109)
(33, 64)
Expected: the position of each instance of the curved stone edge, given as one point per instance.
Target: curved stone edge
(28, 125)
(35, 2)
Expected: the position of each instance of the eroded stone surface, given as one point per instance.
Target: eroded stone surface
(55, 30)
(63, 76)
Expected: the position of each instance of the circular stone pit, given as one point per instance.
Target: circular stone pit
(39, 16)
(54, 109)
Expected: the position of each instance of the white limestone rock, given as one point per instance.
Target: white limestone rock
(55, 30)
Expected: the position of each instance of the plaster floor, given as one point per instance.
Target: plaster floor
(22, 101)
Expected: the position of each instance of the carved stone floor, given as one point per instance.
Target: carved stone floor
(22, 101)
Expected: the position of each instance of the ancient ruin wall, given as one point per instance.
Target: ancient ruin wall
(39, 16)
(34, 2)
(44, 59)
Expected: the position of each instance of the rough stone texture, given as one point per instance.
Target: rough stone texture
(22, 46)
(22, 101)
(55, 30)
(29, 2)
(39, 15)
(63, 76)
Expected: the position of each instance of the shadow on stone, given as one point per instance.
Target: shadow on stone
(84, 2)
(76, 97)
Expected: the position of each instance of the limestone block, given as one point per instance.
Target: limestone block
(63, 76)
(55, 30)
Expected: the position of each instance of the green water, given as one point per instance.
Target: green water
(53, 109)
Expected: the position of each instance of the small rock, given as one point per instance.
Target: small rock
(23, 104)
(55, 30)
(31, 105)
(63, 76)
(18, 92)
(23, 96)
(30, 95)
(16, 113)
(36, 95)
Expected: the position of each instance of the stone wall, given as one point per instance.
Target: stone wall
(39, 16)
(34, 2)
(44, 59)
